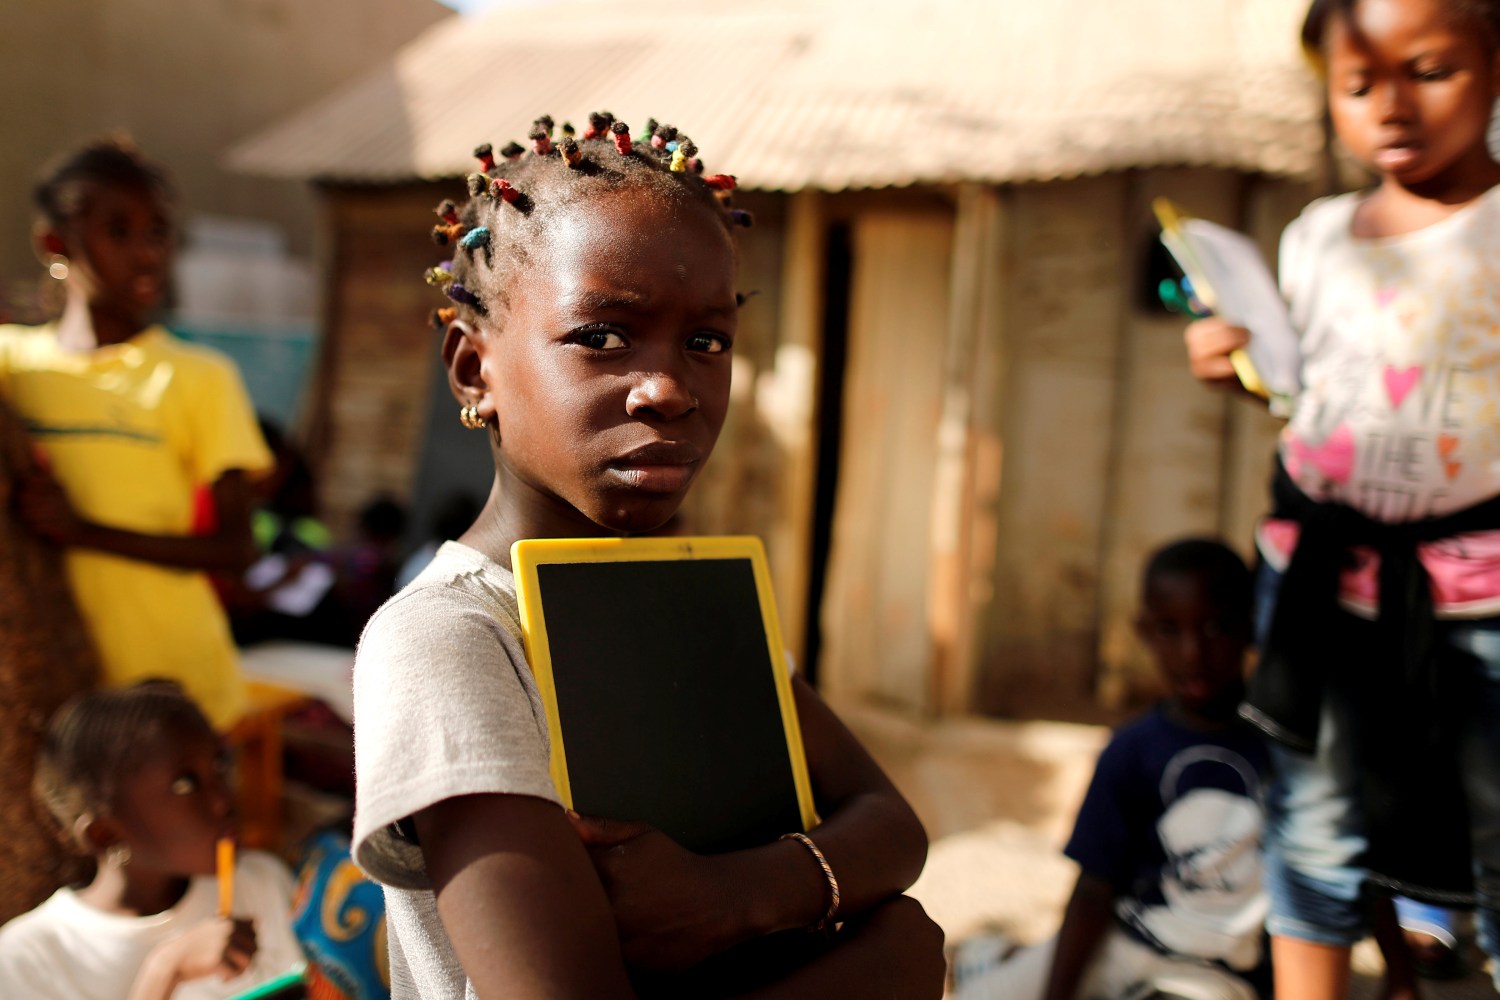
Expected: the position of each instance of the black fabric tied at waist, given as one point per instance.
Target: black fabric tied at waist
(1390, 673)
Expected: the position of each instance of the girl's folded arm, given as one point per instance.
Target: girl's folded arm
(870, 837)
(519, 899)
(675, 908)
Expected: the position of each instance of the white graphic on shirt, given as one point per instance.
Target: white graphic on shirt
(1212, 905)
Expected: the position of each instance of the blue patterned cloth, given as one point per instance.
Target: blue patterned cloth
(338, 916)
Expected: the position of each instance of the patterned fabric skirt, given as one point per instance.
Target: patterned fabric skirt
(45, 659)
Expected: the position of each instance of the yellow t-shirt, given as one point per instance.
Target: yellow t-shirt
(132, 430)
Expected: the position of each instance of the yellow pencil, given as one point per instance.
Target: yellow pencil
(226, 876)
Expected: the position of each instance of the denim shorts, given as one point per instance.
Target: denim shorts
(1315, 841)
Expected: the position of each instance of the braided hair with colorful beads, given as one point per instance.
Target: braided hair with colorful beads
(513, 197)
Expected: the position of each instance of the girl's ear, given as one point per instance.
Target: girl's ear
(465, 366)
(47, 243)
(94, 834)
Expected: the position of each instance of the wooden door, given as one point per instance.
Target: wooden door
(876, 618)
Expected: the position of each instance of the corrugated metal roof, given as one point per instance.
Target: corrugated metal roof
(838, 94)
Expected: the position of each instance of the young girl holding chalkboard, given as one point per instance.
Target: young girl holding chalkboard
(590, 335)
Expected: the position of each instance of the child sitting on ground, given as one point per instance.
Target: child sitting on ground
(1168, 897)
(137, 778)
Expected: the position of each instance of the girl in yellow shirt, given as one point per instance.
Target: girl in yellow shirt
(132, 424)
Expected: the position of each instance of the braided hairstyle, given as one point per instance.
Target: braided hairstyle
(113, 161)
(98, 738)
(513, 199)
(1481, 14)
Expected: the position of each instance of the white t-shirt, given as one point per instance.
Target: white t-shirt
(68, 950)
(444, 705)
(1399, 415)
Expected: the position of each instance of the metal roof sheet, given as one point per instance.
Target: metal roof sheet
(838, 94)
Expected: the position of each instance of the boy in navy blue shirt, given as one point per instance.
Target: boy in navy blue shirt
(1168, 897)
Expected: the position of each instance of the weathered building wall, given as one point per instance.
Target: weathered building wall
(370, 396)
(1066, 275)
(187, 79)
(1018, 430)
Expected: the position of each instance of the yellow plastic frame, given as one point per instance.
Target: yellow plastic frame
(527, 554)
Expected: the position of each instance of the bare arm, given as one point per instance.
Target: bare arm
(520, 900)
(528, 918)
(1086, 920)
(676, 908)
(894, 950)
(221, 946)
(44, 507)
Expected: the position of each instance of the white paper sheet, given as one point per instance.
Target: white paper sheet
(1231, 277)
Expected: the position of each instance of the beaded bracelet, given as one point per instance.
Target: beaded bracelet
(833, 882)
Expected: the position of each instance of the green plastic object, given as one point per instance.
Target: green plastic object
(291, 986)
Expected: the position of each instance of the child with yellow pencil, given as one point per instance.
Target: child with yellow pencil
(137, 778)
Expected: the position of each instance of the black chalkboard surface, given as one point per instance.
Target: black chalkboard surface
(663, 674)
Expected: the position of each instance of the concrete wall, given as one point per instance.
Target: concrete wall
(187, 78)
(1112, 448)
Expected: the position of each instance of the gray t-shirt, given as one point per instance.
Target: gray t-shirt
(444, 705)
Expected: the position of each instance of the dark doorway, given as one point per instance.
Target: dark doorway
(838, 272)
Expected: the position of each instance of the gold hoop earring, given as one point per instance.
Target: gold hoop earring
(57, 266)
(470, 418)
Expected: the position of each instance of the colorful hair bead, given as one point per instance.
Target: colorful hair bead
(721, 182)
(442, 235)
(663, 135)
(541, 142)
(648, 132)
(485, 154)
(682, 154)
(446, 315)
(568, 131)
(506, 192)
(458, 293)
(478, 184)
(546, 123)
(479, 236)
(599, 123)
(447, 211)
(622, 137)
(512, 150)
(440, 276)
(740, 217)
(571, 152)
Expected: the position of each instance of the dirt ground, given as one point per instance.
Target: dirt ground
(998, 800)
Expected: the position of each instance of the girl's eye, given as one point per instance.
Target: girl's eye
(184, 784)
(600, 339)
(1433, 74)
(708, 343)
